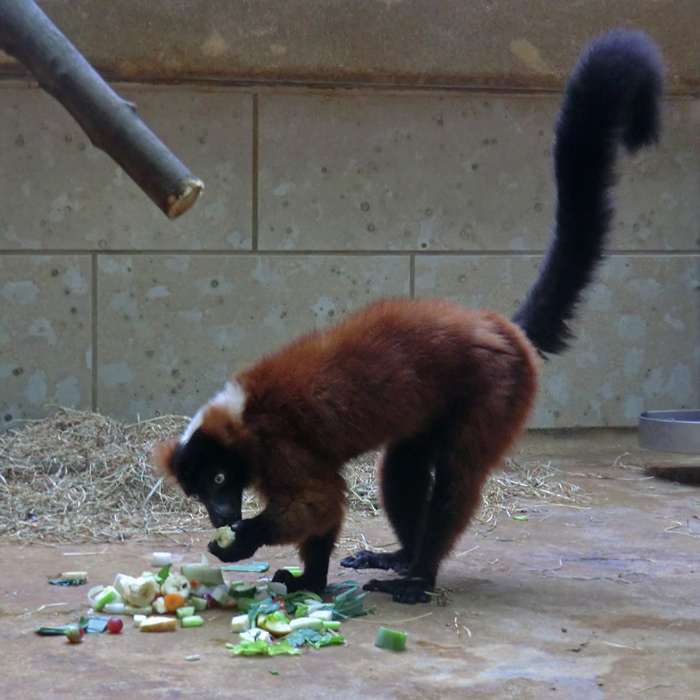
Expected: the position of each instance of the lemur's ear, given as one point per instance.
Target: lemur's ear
(163, 457)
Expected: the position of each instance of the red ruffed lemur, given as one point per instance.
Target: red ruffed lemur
(441, 389)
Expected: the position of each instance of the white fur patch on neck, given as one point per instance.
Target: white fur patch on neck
(232, 398)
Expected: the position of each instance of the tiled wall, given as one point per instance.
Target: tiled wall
(316, 202)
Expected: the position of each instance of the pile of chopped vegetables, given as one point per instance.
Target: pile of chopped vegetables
(268, 619)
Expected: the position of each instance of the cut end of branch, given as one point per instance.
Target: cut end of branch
(190, 189)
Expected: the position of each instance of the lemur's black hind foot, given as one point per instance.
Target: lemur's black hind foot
(365, 559)
(409, 591)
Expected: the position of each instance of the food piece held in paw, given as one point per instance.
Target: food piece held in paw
(159, 624)
(224, 536)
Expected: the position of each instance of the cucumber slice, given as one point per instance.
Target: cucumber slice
(243, 590)
(220, 595)
(185, 611)
(244, 604)
(390, 639)
(192, 621)
(199, 604)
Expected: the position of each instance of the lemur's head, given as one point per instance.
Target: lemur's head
(208, 461)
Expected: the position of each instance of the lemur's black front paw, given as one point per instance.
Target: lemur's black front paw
(246, 542)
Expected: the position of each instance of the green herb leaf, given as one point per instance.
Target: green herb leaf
(314, 638)
(265, 606)
(260, 647)
(163, 574)
(350, 603)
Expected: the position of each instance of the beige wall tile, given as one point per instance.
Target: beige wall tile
(172, 329)
(411, 172)
(61, 193)
(659, 188)
(45, 334)
(637, 344)
(349, 185)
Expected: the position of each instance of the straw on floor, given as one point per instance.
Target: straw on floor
(78, 476)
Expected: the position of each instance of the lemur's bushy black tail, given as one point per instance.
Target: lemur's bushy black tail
(613, 96)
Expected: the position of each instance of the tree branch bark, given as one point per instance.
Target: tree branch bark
(109, 121)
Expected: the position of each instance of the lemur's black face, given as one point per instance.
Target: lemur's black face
(213, 474)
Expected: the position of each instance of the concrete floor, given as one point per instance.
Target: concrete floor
(586, 602)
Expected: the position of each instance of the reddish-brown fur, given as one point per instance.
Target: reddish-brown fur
(450, 386)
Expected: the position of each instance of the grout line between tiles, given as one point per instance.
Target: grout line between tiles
(93, 354)
(254, 193)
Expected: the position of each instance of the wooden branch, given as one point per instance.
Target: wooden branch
(109, 121)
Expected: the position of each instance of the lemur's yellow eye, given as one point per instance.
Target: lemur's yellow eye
(220, 478)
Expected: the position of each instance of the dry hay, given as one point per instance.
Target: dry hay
(525, 486)
(79, 476)
(514, 488)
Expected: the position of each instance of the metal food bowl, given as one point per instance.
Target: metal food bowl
(670, 431)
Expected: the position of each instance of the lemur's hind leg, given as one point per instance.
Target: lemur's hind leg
(406, 481)
(459, 473)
